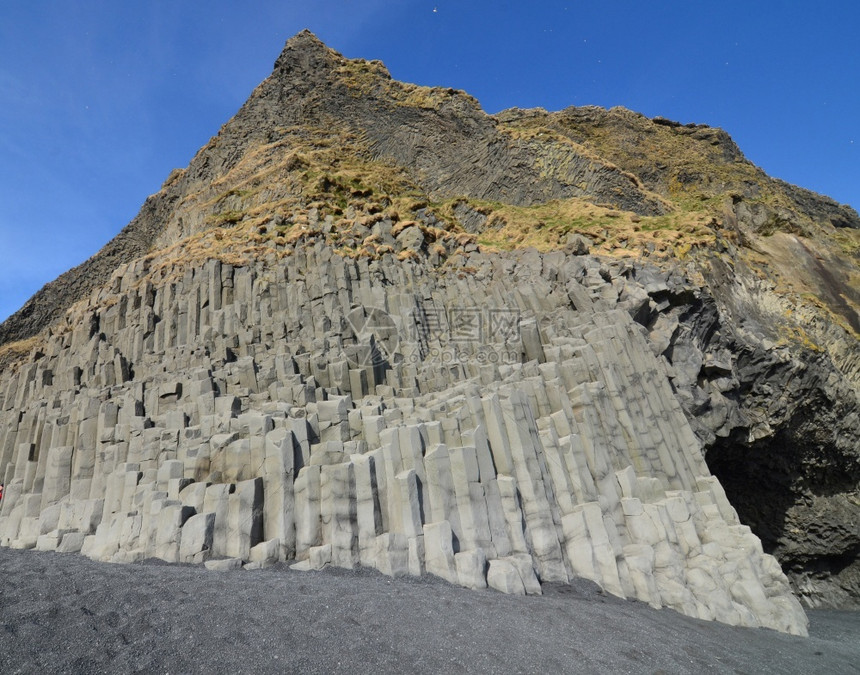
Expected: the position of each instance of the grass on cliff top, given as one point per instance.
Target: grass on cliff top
(371, 79)
(331, 169)
(612, 232)
(334, 171)
(687, 165)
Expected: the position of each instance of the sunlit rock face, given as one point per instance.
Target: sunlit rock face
(370, 325)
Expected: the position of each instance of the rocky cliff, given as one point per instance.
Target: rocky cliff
(371, 325)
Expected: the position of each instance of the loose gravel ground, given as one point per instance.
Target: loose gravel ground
(67, 614)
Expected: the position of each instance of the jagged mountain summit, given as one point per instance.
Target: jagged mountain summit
(370, 324)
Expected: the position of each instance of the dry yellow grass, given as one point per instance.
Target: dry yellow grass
(12, 353)
(408, 254)
(614, 233)
(371, 79)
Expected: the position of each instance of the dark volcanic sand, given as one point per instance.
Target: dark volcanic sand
(65, 613)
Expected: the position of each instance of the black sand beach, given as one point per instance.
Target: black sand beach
(67, 614)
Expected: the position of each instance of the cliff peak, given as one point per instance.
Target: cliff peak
(306, 49)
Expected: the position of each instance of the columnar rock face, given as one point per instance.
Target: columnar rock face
(503, 425)
(371, 325)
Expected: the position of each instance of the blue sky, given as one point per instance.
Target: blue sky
(100, 100)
